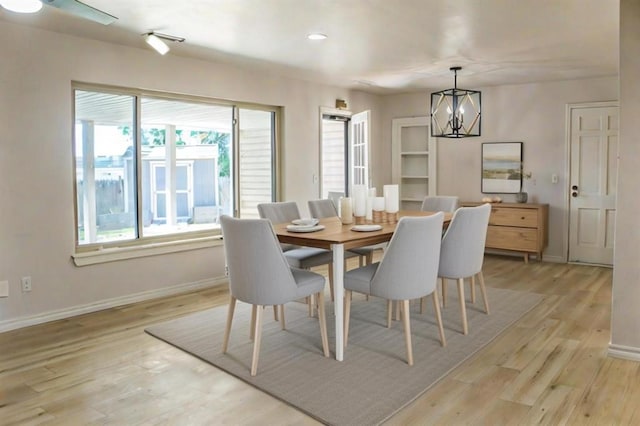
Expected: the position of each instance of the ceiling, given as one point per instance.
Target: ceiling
(379, 46)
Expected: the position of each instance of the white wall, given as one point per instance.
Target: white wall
(625, 323)
(529, 113)
(36, 180)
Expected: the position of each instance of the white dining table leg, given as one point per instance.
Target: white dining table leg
(338, 302)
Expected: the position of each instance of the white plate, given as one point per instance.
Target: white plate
(299, 228)
(305, 222)
(366, 228)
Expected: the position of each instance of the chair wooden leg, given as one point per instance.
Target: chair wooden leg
(254, 309)
(331, 281)
(407, 330)
(389, 312)
(369, 258)
(323, 324)
(275, 312)
(483, 291)
(227, 330)
(347, 315)
(282, 323)
(472, 288)
(361, 260)
(423, 302)
(443, 283)
(256, 342)
(436, 308)
(311, 303)
(463, 309)
(398, 310)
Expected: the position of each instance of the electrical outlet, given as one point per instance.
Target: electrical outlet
(4, 288)
(26, 284)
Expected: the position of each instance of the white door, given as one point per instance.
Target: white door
(359, 149)
(592, 185)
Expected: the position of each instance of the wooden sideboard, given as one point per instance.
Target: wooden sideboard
(520, 227)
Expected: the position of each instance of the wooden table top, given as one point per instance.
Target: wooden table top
(337, 233)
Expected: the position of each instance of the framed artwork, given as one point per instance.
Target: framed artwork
(501, 167)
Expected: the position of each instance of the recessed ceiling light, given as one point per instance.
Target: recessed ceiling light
(22, 6)
(316, 36)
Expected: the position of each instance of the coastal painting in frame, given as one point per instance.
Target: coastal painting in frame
(501, 167)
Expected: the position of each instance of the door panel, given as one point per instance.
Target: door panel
(594, 148)
(359, 142)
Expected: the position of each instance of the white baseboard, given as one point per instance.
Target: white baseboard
(624, 352)
(554, 259)
(532, 257)
(14, 324)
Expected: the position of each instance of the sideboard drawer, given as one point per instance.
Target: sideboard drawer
(517, 227)
(527, 218)
(512, 238)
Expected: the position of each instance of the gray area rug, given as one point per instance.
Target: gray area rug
(374, 381)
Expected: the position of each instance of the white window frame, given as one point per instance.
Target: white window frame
(170, 243)
(335, 112)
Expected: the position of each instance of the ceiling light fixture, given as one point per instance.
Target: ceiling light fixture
(22, 6)
(157, 41)
(316, 36)
(448, 109)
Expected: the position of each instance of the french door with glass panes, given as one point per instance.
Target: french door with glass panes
(344, 151)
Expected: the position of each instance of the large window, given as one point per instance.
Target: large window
(150, 166)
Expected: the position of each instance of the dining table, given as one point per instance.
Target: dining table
(338, 237)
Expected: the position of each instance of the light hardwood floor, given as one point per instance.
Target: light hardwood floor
(550, 367)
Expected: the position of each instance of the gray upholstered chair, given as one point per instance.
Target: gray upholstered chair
(335, 197)
(408, 270)
(325, 208)
(439, 203)
(462, 253)
(260, 275)
(322, 208)
(298, 257)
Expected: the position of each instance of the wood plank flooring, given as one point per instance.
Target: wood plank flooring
(549, 368)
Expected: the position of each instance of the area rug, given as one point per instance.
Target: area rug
(374, 381)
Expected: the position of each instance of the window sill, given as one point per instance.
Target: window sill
(122, 253)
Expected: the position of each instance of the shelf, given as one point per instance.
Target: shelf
(413, 160)
(407, 153)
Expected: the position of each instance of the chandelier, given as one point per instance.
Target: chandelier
(455, 113)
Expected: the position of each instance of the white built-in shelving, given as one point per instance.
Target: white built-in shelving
(413, 165)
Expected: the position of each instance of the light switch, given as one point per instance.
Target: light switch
(554, 178)
(4, 288)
